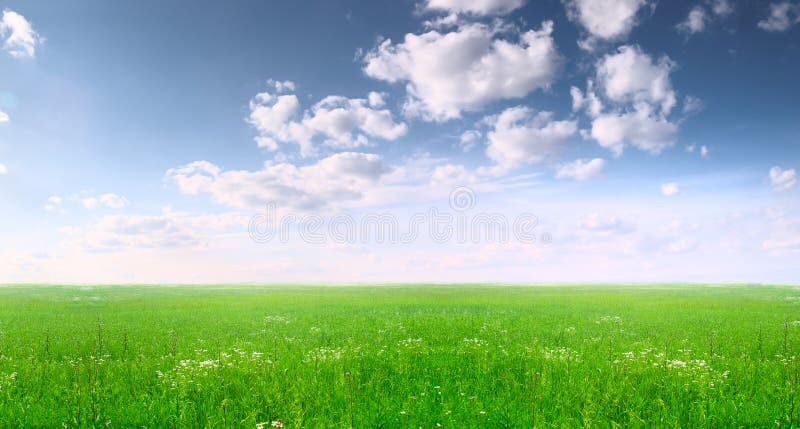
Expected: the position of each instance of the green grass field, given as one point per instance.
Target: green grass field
(399, 356)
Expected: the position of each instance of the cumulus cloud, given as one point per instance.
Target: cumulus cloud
(20, 39)
(639, 128)
(581, 169)
(670, 189)
(639, 96)
(721, 7)
(4, 117)
(465, 69)
(700, 15)
(3, 169)
(520, 136)
(632, 76)
(340, 121)
(589, 101)
(282, 85)
(781, 17)
(695, 22)
(112, 201)
(782, 180)
(475, 7)
(376, 99)
(339, 178)
(469, 139)
(605, 19)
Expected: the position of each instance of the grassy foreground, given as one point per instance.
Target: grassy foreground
(399, 356)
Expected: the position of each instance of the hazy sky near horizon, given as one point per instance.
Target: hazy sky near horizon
(653, 141)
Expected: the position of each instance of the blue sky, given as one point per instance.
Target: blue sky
(654, 141)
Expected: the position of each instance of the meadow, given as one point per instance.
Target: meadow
(399, 356)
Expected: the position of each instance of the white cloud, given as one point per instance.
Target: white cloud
(342, 122)
(631, 76)
(701, 15)
(590, 101)
(110, 200)
(4, 117)
(469, 139)
(670, 189)
(781, 16)
(722, 7)
(692, 104)
(782, 180)
(168, 230)
(476, 7)
(53, 203)
(453, 175)
(466, 69)
(337, 118)
(703, 150)
(577, 98)
(20, 38)
(521, 136)
(114, 201)
(281, 86)
(695, 22)
(376, 99)
(581, 169)
(339, 178)
(604, 19)
(641, 97)
(644, 131)
(89, 202)
(3, 169)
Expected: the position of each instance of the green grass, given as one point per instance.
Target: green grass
(458, 356)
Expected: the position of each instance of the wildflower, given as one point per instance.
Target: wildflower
(277, 423)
